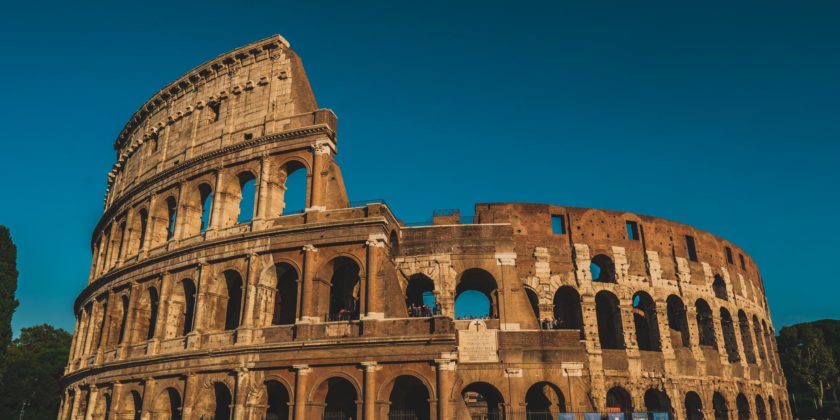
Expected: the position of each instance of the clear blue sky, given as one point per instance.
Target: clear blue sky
(722, 115)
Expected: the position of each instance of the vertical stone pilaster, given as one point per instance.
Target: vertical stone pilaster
(190, 389)
(374, 246)
(301, 376)
(218, 196)
(194, 337)
(369, 390)
(307, 310)
(93, 395)
(321, 151)
(445, 375)
(148, 399)
(240, 394)
(262, 194)
(244, 334)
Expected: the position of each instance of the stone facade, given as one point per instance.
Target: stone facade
(200, 305)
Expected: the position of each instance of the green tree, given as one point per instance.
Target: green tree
(8, 285)
(807, 360)
(35, 366)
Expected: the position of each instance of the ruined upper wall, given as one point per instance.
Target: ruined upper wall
(250, 92)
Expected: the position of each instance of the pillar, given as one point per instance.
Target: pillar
(445, 372)
(302, 372)
(194, 337)
(369, 390)
(216, 214)
(75, 407)
(116, 400)
(148, 399)
(131, 316)
(244, 334)
(321, 149)
(240, 394)
(190, 385)
(92, 396)
(307, 310)
(262, 193)
(375, 244)
(150, 227)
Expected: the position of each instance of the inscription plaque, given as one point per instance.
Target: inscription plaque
(477, 344)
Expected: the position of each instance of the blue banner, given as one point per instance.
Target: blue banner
(592, 416)
(566, 416)
(639, 416)
(660, 416)
(615, 416)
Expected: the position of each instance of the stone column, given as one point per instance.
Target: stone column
(375, 244)
(190, 386)
(216, 215)
(262, 203)
(302, 371)
(307, 310)
(194, 337)
(369, 390)
(183, 209)
(74, 408)
(321, 150)
(244, 334)
(116, 400)
(160, 320)
(148, 399)
(92, 396)
(445, 372)
(150, 226)
(240, 394)
(131, 316)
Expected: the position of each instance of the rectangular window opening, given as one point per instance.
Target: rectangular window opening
(743, 262)
(692, 249)
(558, 224)
(728, 252)
(632, 231)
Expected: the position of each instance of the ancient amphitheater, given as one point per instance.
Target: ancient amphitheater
(210, 297)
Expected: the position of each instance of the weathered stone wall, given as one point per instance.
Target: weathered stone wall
(191, 311)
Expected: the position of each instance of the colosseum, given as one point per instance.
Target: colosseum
(233, 278)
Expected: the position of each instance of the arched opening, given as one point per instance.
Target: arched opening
(285, 295)
(247, 197)
(746, 337)
(143, 217)
(602, 268)
(773, 409)
(719, 287)
(277, 401)
(172, 215)
(720, 407)
(743, 407)
(103, 408)
(567, 309)
(759, 339)
(409, 400)
(223, 401)
(705, 324)
(123, 318)
(420, 296)
(167, 405)
(760, 409)
(543, 401)
(147, 312)
(618, 400)
(476, 295)
(205, 193)
(188, 314)
(344, 290)
(534, 302)
(729, 340)
(610, 331)
(294, 188)
(233, 306)
(647, 325)
(483, 401)
(657, 401)
(340, 400)
(100, 324)
(693, 406)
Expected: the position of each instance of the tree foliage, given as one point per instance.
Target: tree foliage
(810, 354)
(8, 286)
(35, 365)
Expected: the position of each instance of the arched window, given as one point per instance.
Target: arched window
(657, 401)
(759, 339)
(483, 401)
(533, 301)
(719, 287)
(144, 221)
(773, 409)
(172, 215)
(602, 268)
(130, 406)
(103, 408)
(618, 399)
(705, 324)
(247, 197)
(123, 318)
(729, 340)
(567, 309)
(168, 404)
(182, 308)
(746, 337)
(339, 399)
(743, 407)
(760, 409)
(647, 325)
(720, 406)
(693, 406)
(293, 177)
(205, 193)
(610, 330)
(409, 399)
(223, 401)
(278, 401)
(285, 295)
(420, 296)
(543, 401)
(344, 290)
(154, 304)
(233, 306)
(678, 322)
(476, 295)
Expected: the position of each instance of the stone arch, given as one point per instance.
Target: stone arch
(678, 322)
(131, 405)
(760, 408)
(137, 235)
(102, 410)
(164, 217)
(477, 280)
(657, 401)
(602, 268)
(746, 336)
(277, 400)
(759, 339)
(419, 290)
(719, 287)
(774, 410)
(483, 399)
(342, 275)
(646, 322)
(215, 401)
(234, 294)
(693, 406)
(619, 399)
(720, 406)
(118, 321)
(730, 343)
(294, 185)
(181, 311)
(533, 301)
(245, 197)
(705, 324)
(167, 405)
(147, 310)
(543, 401)
(567, 309)
(278, 293)
(743, 406)
(608, 312)
(337, 397)
(409, 398)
